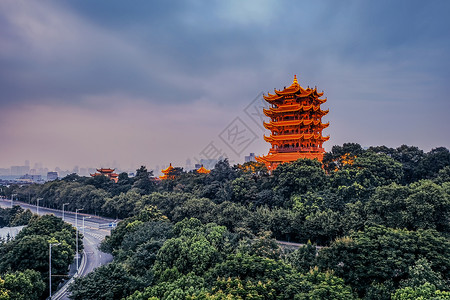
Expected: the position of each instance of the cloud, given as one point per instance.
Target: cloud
(153, 70)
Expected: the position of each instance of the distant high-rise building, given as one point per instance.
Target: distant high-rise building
(52, 176)
(76, 169)
(19, 170)
(188, 164)
(250, 157)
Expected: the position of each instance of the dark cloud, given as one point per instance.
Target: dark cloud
(382, 54)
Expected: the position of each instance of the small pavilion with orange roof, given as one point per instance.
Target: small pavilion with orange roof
(203, 170)
(167, 173)
(108, 173)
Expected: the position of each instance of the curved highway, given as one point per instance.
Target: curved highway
(93, 235)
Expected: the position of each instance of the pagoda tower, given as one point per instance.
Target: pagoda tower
(295, 124)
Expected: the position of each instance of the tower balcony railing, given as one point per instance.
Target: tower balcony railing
(292, 133)
(297, 149)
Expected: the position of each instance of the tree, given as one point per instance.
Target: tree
(423, 204)
(200, 208)
(410, 157)
(334, 160)
(422, 273)
(304, 258)
(111, 281)
(195, 248)
(369, 170)
(123, 205)
(433, 161)
(113, 242)
(179, 289)
(315, 285)
(379, 254)
(299, 177)
(4, 293)
(235, 288)
(426, 291)
(24, 285)
(143, 181)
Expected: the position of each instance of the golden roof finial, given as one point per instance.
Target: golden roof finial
(295, 80)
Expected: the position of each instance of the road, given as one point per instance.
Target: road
(93, 236)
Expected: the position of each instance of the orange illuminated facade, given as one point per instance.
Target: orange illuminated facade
(167, 173)
(108, 173)
(295, 125)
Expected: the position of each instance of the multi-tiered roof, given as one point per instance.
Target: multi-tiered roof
(295, 124)
(168, 172)
(108, 173)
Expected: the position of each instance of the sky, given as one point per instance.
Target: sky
(129, 83)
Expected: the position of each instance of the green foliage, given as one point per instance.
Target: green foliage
(195, 248)
(111, 281)
(426, 291)
(15, 216)
(26, 285)
(383, 215)
(123, 205)
(299, 177)
(378, 254)
(370, 169)
(24, 260)
(113, 242)
(421, 205)
(433, 162)
(235, 288)
(4, 293)
(304, 258)
(143, 181)
(422, 273)
(315, 285)
(179, 289)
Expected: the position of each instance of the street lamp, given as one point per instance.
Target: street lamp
(63, 209)
(50, 266)
(76, 227)
(37, 205)
(83, 222)
(12, 199)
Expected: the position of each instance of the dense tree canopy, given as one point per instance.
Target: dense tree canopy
(381, 214)
(24, 259)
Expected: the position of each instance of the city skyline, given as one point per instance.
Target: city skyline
(152, 83)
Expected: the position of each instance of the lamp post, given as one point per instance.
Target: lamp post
(12, 199)
(37, 205)
(83, 222)
(64, 204)
(50, 266)
(76, 227)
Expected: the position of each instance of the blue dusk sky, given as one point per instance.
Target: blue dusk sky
(130, 83)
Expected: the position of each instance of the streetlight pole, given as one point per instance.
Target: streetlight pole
(12, 199)
(83, 222)
(50, 266)
(63, 209)
(37, 205)
(76, 227)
